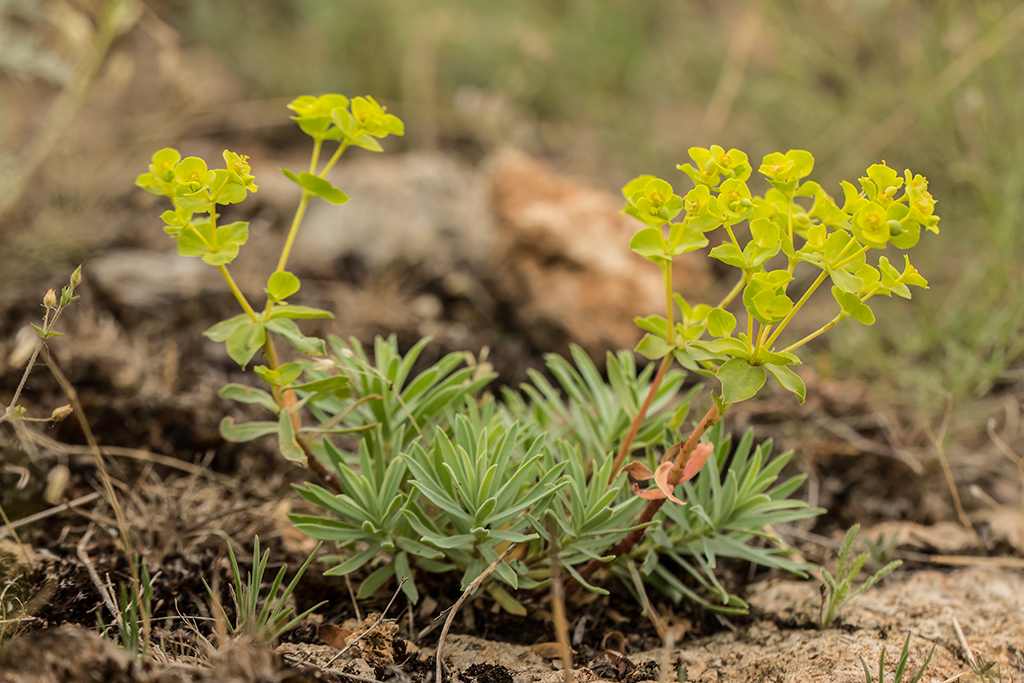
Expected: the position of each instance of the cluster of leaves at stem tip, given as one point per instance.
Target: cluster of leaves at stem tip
(797, 221)
(428, 472)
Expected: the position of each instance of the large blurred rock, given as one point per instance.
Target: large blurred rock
(562, 260)
(552, 254)
(423, 209)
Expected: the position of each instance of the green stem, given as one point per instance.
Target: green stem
(817, 333)
(733, 293)
(799, 304)
(238, 293)
(829, 325)
(761, 334)
(666, 276)
(334, 158)
(750, 334)
(851, 257)
(736, 242)
(294, 229)
(315, 157)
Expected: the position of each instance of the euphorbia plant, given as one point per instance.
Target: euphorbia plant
(196, 192)
(795, 222)
(435, 476)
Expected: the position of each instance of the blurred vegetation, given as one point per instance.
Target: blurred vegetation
(612, 89)
(609, 89)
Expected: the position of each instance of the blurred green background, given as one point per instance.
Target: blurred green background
(608, 89)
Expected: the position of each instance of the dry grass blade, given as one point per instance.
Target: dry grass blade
(558, 605)
(108, 485)
(25, 521)
(950, 480)
(439, 672)
(1005, 449)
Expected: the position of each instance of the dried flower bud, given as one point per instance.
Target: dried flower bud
(76, 277)
(60, 413)
(50, 300)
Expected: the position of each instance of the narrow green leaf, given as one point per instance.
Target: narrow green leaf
(247, 431)
(337, 383)
(317, 186)
(310, 346)
(298, 312)
(355, 562)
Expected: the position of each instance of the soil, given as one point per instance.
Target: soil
(148, 383)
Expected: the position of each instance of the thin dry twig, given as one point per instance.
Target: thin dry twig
(96, 582)
(458, 603)
(132, 453)
(1005, 449)
(352, 597)
(25, 521)
(9, 527)
(108, 484)
(950, 480)
(377, 623)
(963, 644)
(558, 606)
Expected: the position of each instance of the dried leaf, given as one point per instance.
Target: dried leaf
(666, 477)
(638, 471)
(333, 635)
(696, 461)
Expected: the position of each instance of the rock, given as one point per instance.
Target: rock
(551, 252)
(423, 209)
(562, 263)
(149, 279)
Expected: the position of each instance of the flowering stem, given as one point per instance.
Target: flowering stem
(666, 275)
(820, 331)
(334, 158)
(294, 229)
(243, 302)
(799, 304)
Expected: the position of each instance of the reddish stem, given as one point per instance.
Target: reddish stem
(626, 544)
(634, 426)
